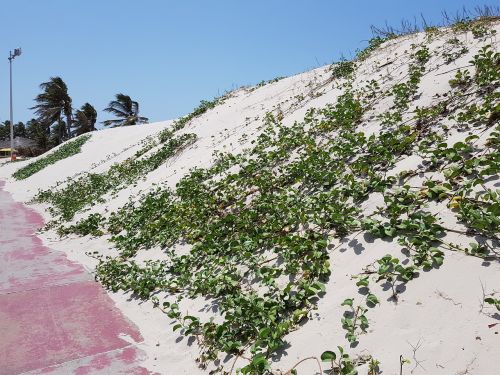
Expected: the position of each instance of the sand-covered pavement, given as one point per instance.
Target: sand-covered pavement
(54, 318)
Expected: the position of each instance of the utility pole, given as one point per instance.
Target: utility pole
(12, 56)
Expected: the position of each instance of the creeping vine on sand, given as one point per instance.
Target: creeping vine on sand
(259, 223)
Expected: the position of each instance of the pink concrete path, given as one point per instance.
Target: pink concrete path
(54, 318)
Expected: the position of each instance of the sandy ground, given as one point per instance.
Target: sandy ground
(439, 323)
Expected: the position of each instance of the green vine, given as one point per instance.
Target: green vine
(66, 150)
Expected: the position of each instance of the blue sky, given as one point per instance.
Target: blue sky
(169, 55)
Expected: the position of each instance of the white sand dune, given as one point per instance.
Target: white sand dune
(439, 322)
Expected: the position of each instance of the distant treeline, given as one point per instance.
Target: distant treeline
(56, 120)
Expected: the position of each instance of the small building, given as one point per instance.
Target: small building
(23, 146)
(5, 152)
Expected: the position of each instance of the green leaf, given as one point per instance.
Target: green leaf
(363, 282)
(260, 363)
(264, 333)
(318, 287)
(372, 300)
(384, 268)
(364, 322)
(438, 260)
(459, 146)
(347, 323)
(351, 337)
(347, 302)
(390, 231)
(328, 356)
(494, 302)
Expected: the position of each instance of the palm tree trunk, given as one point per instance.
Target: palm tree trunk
(69, 121)
(61, 129)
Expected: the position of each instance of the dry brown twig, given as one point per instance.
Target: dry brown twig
(415, 348)
(289, 372)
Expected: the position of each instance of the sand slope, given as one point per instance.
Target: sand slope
(439, 321)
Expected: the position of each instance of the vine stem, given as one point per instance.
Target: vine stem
(267, 261)
(303, 360)
(454, 230)
(461, 67)
(234, 363)
(240, 354)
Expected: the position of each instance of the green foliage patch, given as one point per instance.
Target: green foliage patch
(66, 150)
(89, 188)
(240, 223)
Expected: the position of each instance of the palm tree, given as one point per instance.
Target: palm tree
(52, 104)
(5, 130)
(36, 131)
(126, 110)
(85, 119)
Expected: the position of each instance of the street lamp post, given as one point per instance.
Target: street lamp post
(12, 56)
